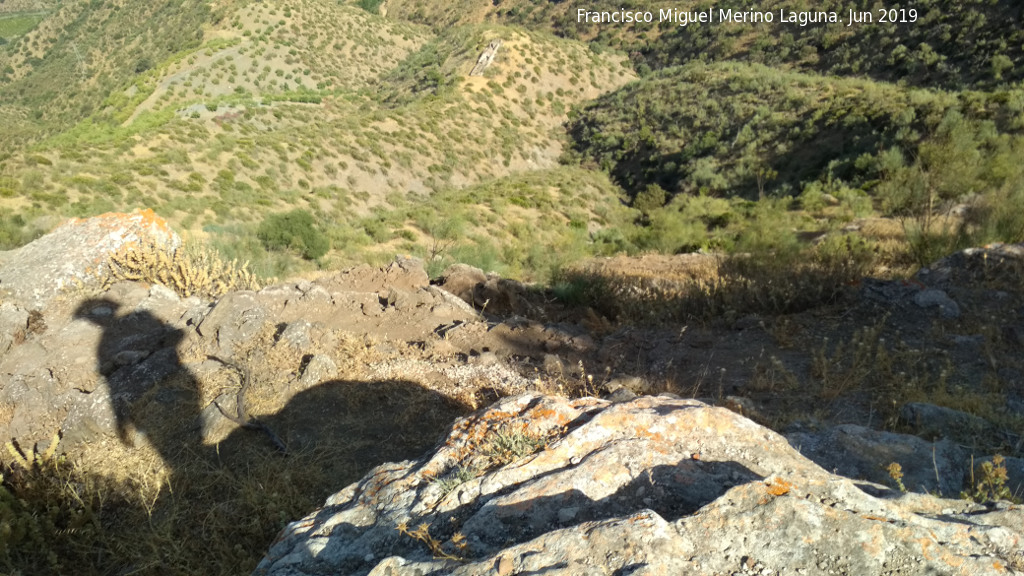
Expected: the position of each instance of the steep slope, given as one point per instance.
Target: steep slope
(315, 105)
(970, 43)
(953, 45)
(748, 130)
(60, 72)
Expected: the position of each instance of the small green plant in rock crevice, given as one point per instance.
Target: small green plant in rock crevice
(456, 478)
(508, 446)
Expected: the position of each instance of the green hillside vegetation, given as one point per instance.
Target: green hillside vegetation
(62, 71)
(525, 226)
(749, 130)
(316, 134)
(969, 43)
(15, 24)
(220, 118)
(953, 45)
(218, 136)
(839, 148)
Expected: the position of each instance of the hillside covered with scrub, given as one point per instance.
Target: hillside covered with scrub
(224, 119)
(342, 229)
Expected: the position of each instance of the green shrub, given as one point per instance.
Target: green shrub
(371, 6)
(12, 232)
(651, 198)
(295, 230)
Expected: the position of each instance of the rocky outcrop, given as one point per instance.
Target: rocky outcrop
(651, 484)
(487, 292)
(76, 361)
(75, 252)
(654, 485)
(486, 58)
(859, 452)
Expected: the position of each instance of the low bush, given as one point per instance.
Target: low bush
(295, 230)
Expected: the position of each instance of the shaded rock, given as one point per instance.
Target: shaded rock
(932, 298)
(404, 301)
(1014, 335)
(13, 325)
(235, 317)
(931, 421)
(861, 453)
(296, 334)
(498, 295)
(887, 292)
(75, 252)
(319, 369)
(744, 407)
(483, 291)
(973, 266)
(94, 415)
(654, 486)
(621, 395)
(634, 384)
(461, 280)
(446, 302)
(1014, 473)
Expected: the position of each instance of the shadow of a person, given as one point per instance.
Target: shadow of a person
(136, 353)
(232, 484)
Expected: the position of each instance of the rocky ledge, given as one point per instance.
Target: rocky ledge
(654, 485)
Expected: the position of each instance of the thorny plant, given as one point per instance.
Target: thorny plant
(422, 533)
(189, 271)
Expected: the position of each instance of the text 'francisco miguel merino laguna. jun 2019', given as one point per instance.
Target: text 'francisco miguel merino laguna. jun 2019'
(730, 16)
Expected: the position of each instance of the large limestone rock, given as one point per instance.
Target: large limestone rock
(35, 273)
(656, 485)
(78, 364)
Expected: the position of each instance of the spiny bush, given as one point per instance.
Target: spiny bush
(193, 270)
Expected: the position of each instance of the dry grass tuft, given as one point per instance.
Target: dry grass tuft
(775, 282)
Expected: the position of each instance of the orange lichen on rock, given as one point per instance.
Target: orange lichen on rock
(79, 249)
(779, 487)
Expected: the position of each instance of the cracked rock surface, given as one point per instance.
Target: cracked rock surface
(655, 485)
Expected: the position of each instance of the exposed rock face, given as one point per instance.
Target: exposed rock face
(932, 421)
(486, 58)
(636, 485)
(859, 452)
(75, 251)
(655, 485)
(74, 362)
(488, 292)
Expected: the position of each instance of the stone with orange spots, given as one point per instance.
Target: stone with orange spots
(619, 488)
(74, 252)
